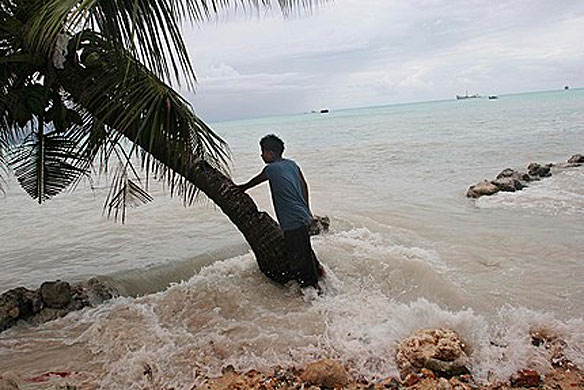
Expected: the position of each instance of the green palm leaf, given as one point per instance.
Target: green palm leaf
(132, 102)
(127, 194)
(45, 165)
(149, 30)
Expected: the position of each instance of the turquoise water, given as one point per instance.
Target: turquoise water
(409, 166)
(407, 250)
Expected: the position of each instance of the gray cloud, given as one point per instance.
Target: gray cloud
(371, 52)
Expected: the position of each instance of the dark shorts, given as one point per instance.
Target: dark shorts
(304, 265)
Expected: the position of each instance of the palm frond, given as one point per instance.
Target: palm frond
(125, 193)
(149, 30)
(133, 102)
(16, 100)
(3, 162)
(44, 165)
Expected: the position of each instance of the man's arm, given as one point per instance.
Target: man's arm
(254, 181)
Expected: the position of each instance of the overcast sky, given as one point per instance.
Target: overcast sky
(354, 53)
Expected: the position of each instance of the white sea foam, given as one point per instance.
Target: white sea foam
(229, 313)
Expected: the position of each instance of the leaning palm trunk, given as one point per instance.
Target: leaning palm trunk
(261, 232)
(171, 147)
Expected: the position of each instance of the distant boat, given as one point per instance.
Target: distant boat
(566, 87)
(324, 111)
(493, 97)
(467, 96)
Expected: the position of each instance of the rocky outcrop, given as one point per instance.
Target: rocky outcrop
(51, 301)
(293, 378)
(416, 357)
(510, 180)
(438, 350)
(16, 304)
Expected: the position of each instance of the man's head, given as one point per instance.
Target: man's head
(272, 148)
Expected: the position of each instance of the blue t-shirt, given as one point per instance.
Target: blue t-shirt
(287, 195)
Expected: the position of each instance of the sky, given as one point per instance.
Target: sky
(357, 53)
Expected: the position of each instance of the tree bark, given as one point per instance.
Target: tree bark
(261, 232)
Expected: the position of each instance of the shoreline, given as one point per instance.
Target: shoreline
(429, 359)
(329, 374)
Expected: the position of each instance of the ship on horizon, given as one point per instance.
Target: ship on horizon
(467, 96)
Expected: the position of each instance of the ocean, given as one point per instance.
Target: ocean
(407, 250)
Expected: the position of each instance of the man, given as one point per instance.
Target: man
(290, 197)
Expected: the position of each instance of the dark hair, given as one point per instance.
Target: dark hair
(272, 143)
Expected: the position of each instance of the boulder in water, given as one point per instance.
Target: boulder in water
(16, 304)
(56, 295)
(482, 188)
(576, 159)
(538, 170)
(511, 180)
(508, 184)
(508, 172)
(52, 300)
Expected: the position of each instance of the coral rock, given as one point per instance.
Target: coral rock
(438, 350)
(411, 380)
(327, 373)
(459, 384)
(228, 381)
(547, 339)
(443, 384)
(390, 383)
(526, 378)
(564, 379)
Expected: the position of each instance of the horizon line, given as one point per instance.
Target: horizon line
(382, 105)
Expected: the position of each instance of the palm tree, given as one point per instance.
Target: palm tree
(88, 82)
